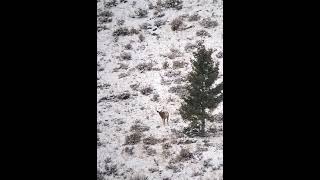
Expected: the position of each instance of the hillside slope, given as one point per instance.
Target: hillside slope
(142, 64)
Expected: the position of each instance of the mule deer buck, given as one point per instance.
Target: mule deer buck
(164, 116)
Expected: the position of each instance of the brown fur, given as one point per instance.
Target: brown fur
(164, 116)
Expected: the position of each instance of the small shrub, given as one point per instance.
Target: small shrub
(207, 163)
(216, 118)
(178, 90)
(100, 53)
(128, 47)
(178, 64)
(166, 81)
(146, 91)
(100, 175)
(201, 149)
(134, 31)
(105, 19)
(141, 13)
(212, 129)
(184, 155)
(144, 66)
(141, 38)
(207, 143)
(99, 130)
(176, 24)
(139, 177)
(180, 80)
(166, 153)
(106, 13)
(158, 14)
(124, 96)
(107, 98)
(208, 23)
(194, 17)
(99, 144)
(121, 32)
(188, 141)
(152, 170)
(175, 4)
(110, 3)
(172, 73)
(122, 75)
(129, 150)
(175, 120)
(132, 139)
(155, 98)
(197, 174)
(157, 35)
(125, 56)
(145, 25)
(173, 54)
(115, 39)
(165, 65)
(177, 133)
(103, 86)
(121, 66)
(159, 3)
(184, 16)
(159, 23)
(166, 146)
(151, 151)
(203, 33)
(135, 86)
(100, 68)
(120, 22)
(107, 160)
(150, 140)
(150, 6)
(173, 167)
(199, 43)
(189, 47)
(111, 169)
(219, 55)
(139, 128)
(101, 28)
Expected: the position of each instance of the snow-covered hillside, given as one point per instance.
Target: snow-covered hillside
(142, 64)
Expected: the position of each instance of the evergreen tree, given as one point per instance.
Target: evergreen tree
(202, 92)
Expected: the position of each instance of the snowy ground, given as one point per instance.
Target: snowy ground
(122, 105)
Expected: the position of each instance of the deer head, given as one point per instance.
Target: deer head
(164, 116)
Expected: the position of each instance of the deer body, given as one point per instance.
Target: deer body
(164, 116)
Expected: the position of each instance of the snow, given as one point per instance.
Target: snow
(140, 107)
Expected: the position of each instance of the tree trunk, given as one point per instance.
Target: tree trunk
(203, 127)
(203, 124)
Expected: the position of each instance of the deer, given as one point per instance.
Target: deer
(164, 116)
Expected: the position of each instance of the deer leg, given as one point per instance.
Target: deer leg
(164, 122)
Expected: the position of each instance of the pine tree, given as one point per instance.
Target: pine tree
(202, 92)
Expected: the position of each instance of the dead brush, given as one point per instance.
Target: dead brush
(138, 177)
(150, 140)
(208, 23)
(176, 24)
(134, 138)
(184, 155)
